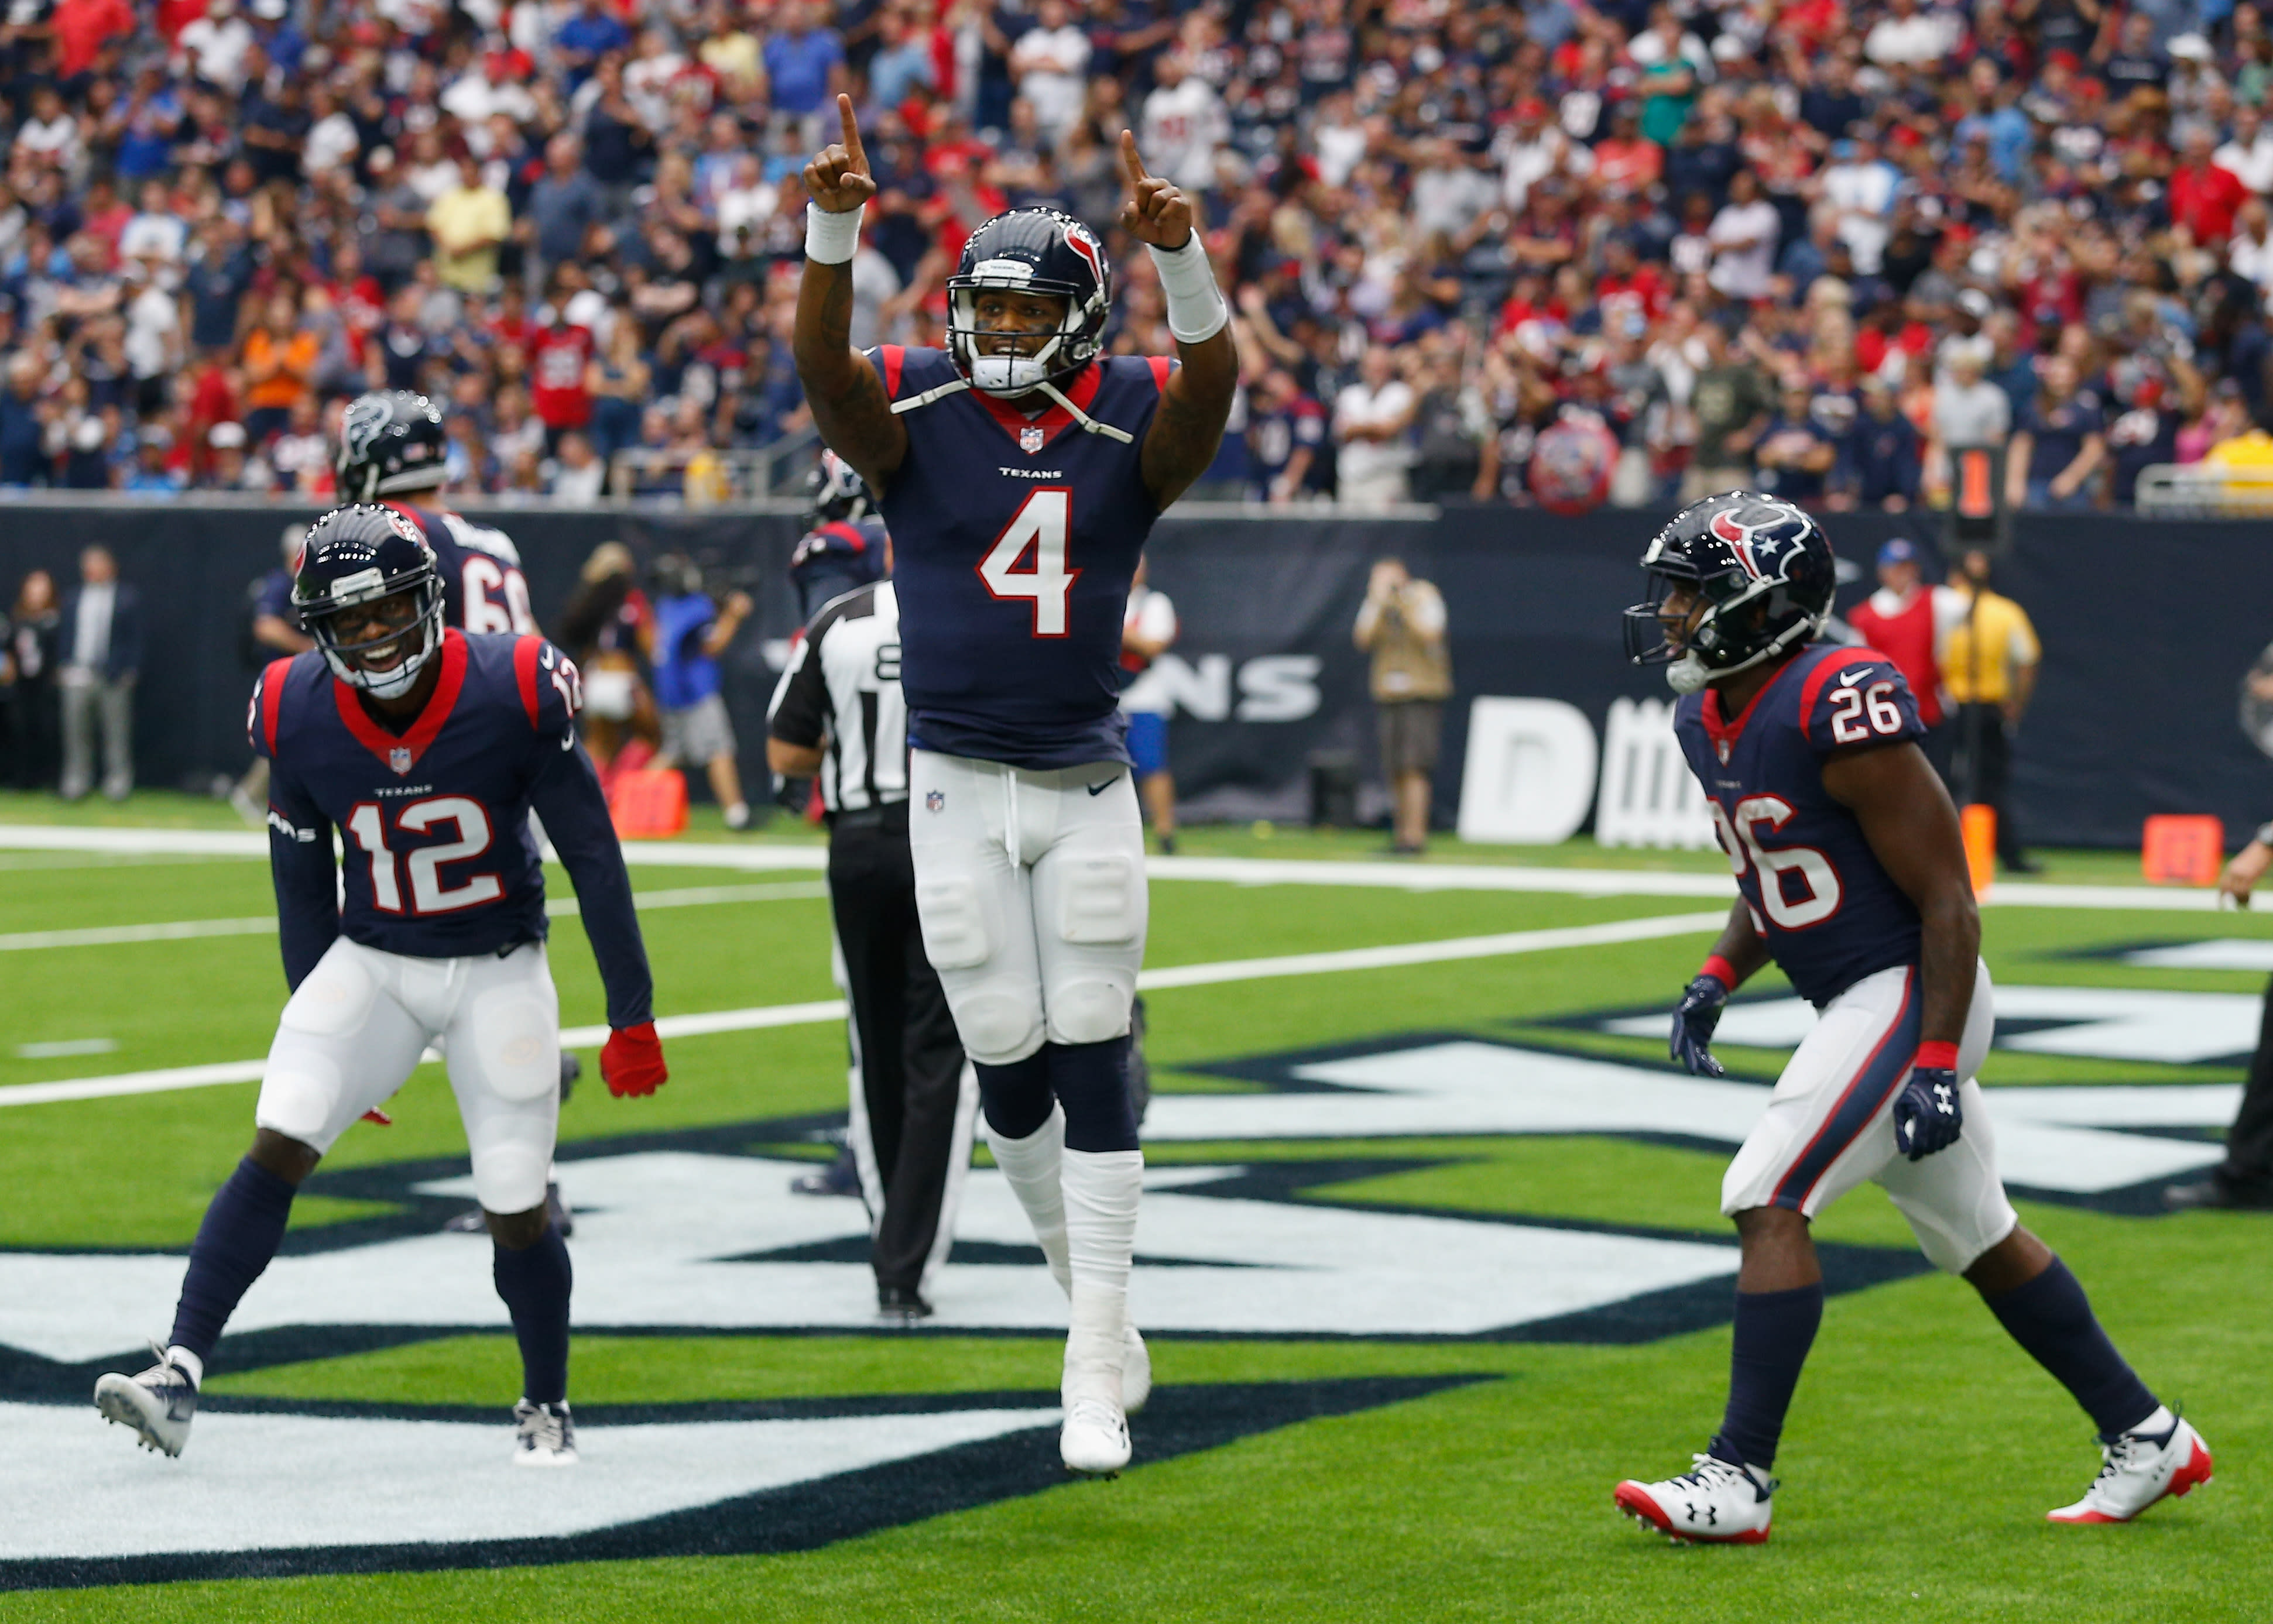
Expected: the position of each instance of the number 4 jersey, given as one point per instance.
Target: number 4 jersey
(1014, 540)
(1828, 910)
(438, 861)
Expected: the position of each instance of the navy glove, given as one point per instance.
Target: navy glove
(1927, 1115)
(1699, 1012)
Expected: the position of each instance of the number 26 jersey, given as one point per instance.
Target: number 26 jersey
(1828, 909)
(1014, 540)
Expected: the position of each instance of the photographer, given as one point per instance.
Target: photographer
(688, 633)
(1402, 626)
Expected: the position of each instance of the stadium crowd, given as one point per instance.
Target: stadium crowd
(1518, 249)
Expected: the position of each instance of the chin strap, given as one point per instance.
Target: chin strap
(955, 387)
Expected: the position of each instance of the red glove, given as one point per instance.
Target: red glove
(632, 1062)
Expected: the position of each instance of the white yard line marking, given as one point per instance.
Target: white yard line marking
(1586, 882)
(833, 1009)
(561, 908)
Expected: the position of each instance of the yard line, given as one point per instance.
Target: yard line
(768, 1015)
(561, 908)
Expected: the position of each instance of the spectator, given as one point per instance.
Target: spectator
(1743, 238)
(1285, 438)
(99, 656)
(23, 425)
(35, 646)
(1883, 452)
(581, 478)
(1730, 404)
(1970, 414)
(1051, 62)
(1401, 625)
(688, 633)
(468, 223)
(1373, 422)
(1989, 657)
(1185, 126)
(1148, 630)
(2058, 445)
(2204, 195)
(559, 361)
(1795, 456)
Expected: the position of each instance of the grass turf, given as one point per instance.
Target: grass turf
(1921, 1454)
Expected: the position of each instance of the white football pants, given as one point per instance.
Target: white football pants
(1031, 887)
(353, 1032)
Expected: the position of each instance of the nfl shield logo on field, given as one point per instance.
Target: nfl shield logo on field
(399, 759)
(935, 802)
(1030, 440)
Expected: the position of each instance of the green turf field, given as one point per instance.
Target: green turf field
(1341, 1459)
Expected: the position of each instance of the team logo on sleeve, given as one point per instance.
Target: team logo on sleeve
(1762, 536)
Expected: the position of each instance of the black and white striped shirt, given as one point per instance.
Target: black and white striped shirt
(843, 687)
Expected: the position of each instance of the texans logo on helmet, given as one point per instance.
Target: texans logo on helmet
(1079, 239)
(1762, 534)
(360, 428)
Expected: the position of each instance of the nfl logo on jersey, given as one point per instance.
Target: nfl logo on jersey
(1030, 440)
(934, 801)
(399, 759)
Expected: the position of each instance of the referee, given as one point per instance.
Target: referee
(838, 715)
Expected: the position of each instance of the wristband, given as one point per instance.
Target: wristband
(2264, 835)
(1196, 311)
(1720, 970)
(831, 238)
(1935, 1057)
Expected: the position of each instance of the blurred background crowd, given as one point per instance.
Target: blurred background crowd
(1551, 250)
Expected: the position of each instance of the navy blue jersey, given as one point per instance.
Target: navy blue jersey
(482, 587)
(1014, 540)
(1828, 909)
(833, 558)
(440, 861)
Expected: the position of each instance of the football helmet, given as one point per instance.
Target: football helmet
(1762, 572)
(357, 556)
(838, 492)
(1030, 251)
(390, 443)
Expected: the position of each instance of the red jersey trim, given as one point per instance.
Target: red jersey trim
(272, 698)
(524, 670)
(1725, 734)
(383, 743)
(893, 356)
(1052, 422)
(1161, 367)
(849, 534)
(1845, 659)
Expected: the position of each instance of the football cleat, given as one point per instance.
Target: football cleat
(543, 1434)
(159, 1404)
(1094, 1441)
(1136, 1373)
(901, 1305)
(2137, 1470)
(1717, 1503)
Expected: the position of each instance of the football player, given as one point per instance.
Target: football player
(842, 547)
(426, 748)
(393, 450)
(1852, 878)
(1020, 470)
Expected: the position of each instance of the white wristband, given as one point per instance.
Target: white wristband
(831, 239)
(1196, 311)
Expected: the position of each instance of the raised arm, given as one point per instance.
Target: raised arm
(1188, 429)
(849, 404)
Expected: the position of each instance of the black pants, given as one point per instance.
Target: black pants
(909, 1057)
(1981, 771)
(2249, 1143)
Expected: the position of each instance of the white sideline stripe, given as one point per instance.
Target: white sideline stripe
(833, 1009)
(1589, 882)
(563, 908)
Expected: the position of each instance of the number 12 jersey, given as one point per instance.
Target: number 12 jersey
(1828, 909)
(1014, 540)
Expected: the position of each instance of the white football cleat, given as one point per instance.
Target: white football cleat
(1136, 1373)
(1716, 1503)
(1094, 1441)
(159, 1404)
(543, 1434)
(2139, 1469)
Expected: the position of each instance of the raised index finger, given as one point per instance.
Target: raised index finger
(853, 147)
(1130, 161)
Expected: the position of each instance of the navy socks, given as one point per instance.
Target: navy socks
(533, 1282)
(1774, 1330)
(1091, 1081)
(241, 1233)
(2051, 1317)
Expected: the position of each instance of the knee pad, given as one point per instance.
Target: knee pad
(1097, 899)
(1000, 1021)
(1088, 1011)
(335, 999)
(514, 1037)
(299, 1095)
(509, 1176)
(954, 916)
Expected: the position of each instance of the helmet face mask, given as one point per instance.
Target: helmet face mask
(1027, 305)
(1734, 581)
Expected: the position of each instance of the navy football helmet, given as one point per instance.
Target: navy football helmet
(1030, 251)
(359, 556)
(390, 443)
(1762, 572)
(839, 494)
